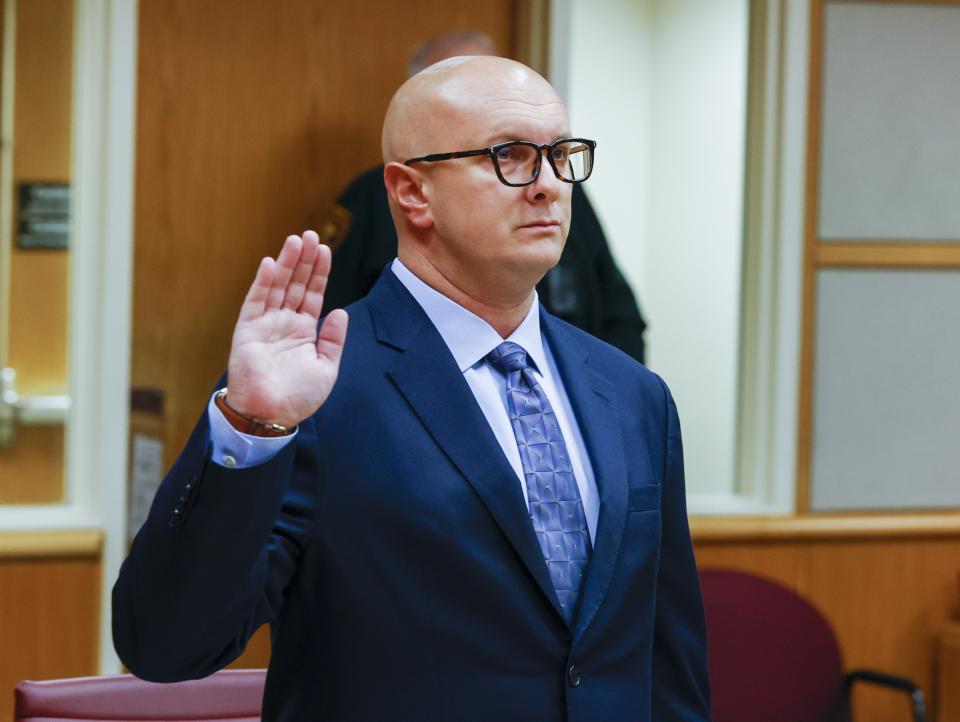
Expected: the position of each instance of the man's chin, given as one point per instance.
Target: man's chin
(535, 263)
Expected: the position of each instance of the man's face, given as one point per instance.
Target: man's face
(485, 230)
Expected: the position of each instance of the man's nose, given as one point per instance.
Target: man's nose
(547, 186)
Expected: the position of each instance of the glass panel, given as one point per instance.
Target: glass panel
(38, 59)
(887, 395)
(890, 116)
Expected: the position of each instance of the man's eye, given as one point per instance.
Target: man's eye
(508, 153)
(560, 153)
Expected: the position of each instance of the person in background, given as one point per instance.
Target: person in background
(586, 288)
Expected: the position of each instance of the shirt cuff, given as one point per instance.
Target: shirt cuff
(236, 450)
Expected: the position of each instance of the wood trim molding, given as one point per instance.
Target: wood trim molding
(896, 254)
(706, 530)
(531, 34)
(805, 396)
(894, 2)
(67, 543)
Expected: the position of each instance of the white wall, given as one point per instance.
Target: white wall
(661, 85)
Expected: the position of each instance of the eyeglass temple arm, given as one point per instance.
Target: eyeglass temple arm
(433, 158)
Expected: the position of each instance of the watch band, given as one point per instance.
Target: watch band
(247, 424)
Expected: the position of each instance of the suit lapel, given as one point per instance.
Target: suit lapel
(427, 376)
(592, 397)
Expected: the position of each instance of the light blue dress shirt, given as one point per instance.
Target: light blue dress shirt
(469, 339)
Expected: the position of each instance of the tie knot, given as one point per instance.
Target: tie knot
(508, 357)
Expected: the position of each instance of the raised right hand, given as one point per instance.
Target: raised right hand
(280, 369)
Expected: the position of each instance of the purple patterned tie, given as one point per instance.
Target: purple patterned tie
(555, 506)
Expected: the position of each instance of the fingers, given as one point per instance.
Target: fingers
(312, 302)
(297, 279)
(283, 271)
(333, 334)
(302, 272)
(255, 301)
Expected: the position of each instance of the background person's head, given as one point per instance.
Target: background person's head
(455, 219)
(449, 45)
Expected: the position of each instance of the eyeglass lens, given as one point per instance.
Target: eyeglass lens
(573, 160)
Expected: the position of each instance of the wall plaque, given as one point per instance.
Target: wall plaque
(43, 216)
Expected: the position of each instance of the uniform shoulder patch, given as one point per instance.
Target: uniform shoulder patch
(336, 227)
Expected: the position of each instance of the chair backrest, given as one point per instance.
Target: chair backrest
(772, 654)
(228, 696)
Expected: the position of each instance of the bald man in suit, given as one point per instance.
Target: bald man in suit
(463, 508)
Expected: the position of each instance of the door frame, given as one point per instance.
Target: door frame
(104, 115)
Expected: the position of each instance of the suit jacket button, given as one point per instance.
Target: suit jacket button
(573, 676)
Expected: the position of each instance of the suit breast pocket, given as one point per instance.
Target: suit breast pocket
(644, 498)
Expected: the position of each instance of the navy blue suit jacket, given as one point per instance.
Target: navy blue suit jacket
(390, 549)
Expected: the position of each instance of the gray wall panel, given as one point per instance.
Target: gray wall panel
(886, 410)
(890, 163)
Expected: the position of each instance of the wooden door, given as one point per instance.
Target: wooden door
(252, 116)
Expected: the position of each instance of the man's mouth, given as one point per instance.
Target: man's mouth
(542, 224)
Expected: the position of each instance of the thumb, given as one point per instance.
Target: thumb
(332, 336)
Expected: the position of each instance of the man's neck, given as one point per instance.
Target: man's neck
(504, 314)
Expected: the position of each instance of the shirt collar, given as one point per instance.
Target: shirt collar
(468, 336)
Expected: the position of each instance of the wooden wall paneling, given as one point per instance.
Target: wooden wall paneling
(49, 621)
(888, 599)
(49, 608)
(948, 674)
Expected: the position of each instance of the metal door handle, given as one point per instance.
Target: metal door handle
(22, 410)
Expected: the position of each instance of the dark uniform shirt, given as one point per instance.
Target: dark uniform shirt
(585, 288)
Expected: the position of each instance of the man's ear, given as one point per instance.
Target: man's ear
(406, 186)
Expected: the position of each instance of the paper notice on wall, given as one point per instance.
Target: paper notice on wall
(146, 475)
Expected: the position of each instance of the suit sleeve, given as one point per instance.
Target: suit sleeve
(212, 561)
(681, 688)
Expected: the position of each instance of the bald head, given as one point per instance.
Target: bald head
(441, 107)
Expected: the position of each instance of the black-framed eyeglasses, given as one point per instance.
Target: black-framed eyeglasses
(518, 162)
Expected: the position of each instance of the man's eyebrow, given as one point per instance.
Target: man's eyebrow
(507, 137)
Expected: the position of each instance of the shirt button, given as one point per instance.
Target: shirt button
(229, 462)
(573, 676)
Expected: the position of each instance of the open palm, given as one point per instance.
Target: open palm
(281, 369)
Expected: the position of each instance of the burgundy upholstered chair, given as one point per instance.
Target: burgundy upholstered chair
(773, 656)
(228, 696)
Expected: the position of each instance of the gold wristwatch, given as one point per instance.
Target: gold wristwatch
(247, 424)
